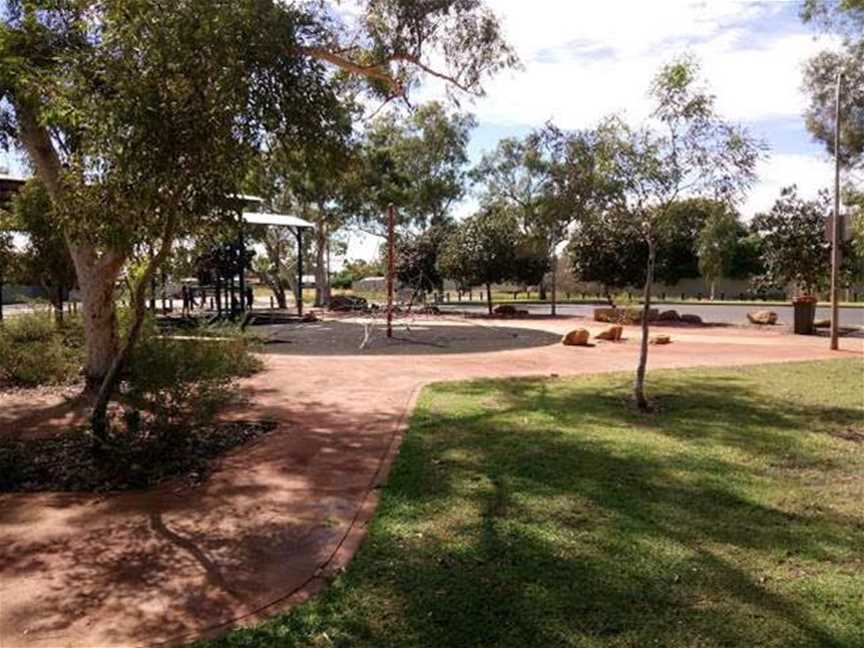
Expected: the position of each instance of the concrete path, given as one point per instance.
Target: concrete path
(279, 517)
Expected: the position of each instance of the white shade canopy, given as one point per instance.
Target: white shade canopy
(281, 220)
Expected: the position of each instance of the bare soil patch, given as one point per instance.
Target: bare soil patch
(68, 463)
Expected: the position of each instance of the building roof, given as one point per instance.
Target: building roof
(279, 220)
(5, 177)
(247, 199)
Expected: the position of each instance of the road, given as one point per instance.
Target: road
(719, 313)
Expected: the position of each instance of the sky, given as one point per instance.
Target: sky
(583, 60)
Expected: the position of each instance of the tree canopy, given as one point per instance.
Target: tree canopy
(482, 250)
(416, 162)
(845, 18)
(795, 245)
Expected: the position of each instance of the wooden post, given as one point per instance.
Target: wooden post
(391, 265)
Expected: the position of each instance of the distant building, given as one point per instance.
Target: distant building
(9, 186)
(370, 284)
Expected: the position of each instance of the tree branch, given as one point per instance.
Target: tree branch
(379, 70)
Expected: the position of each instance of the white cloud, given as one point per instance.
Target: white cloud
(583, 61)
(810, 173)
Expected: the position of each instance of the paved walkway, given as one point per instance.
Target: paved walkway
(277, 518)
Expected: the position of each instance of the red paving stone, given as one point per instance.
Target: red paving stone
(277, 518)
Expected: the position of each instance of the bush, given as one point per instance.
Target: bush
(35, 351)
(176, 384)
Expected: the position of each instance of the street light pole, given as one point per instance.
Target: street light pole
(837, 237)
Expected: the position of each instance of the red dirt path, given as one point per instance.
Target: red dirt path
(277, 518)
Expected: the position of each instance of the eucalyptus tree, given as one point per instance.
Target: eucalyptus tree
(136, 120)
(547, 179)
(606, 247)
(482, 250)
(518, 174)
(687, 150)
(844, 18)
(43, 259)
(140, 120)
(416, 161)
(417, 257)
(312, 182)
(717, 244)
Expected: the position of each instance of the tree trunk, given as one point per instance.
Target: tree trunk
(281, 299)
(554, 285)
(639, 386)
(58, 305)
(489, 297)
(96, 279)
(96, 275)
(541, 287)
(713, 287)
(322, 285)
(99, 417)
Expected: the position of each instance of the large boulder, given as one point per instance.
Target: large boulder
(576, 337)
(660, 340)
(668, 316)
(623, 315)
(509, 310)
(343, 303)
(691, 319)
(822, 323)
(611, 334)
(762, 317)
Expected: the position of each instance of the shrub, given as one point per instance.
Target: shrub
(35, 351)
(174, 385)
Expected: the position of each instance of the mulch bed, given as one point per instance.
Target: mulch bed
(68, 463)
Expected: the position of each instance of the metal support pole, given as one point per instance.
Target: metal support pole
(242, 244)
(391, 265)
(218, 294)
(837, 238)
(300, 272)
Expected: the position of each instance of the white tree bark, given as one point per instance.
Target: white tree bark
(639, 386)
(96, 274)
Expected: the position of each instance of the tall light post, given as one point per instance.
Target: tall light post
(837, 237)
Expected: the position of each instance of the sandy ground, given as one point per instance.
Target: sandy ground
(277, 518)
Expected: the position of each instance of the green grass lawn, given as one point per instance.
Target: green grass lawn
(547, 513)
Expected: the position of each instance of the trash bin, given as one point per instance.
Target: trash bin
(805, 315)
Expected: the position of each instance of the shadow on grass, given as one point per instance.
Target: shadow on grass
(533, 513)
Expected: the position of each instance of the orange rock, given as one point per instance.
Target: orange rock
(576, 337)
(612, 334)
